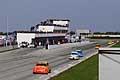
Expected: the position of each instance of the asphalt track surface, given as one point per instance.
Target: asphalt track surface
(18, 64)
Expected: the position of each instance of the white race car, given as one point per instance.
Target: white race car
(74, 55)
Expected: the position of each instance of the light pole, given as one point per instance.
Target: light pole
(6, 29)
(47, 41)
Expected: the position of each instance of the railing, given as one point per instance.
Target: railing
(109, 50)
(50, 34)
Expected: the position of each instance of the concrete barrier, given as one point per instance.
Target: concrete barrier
(8, 48)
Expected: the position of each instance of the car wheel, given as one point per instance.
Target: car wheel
(34, 73)
(50, 71)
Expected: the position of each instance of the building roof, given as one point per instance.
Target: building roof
(59, 19)
(83, 31)
(30, 32)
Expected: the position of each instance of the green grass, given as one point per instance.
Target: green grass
(117, 45)
(87, 70)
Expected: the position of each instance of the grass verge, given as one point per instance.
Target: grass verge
(86, 70)
(117, 45)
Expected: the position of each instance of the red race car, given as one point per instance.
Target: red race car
(41, 67)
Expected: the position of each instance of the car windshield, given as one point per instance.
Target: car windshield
(74, 53)
(98, 45)
(79, 51)
(41, 64)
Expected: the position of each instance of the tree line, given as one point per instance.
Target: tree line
(107, 33)
(5, 33)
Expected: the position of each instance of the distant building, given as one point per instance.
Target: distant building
(52, 31)
(6, 39)
(2, 39)
(53, 25)
(83, 33)
(23, 36)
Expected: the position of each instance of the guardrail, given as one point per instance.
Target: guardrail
(109, 51)
(8, 48)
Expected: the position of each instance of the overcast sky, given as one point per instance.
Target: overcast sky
(97, 15)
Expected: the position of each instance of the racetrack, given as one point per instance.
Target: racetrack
(18, 64)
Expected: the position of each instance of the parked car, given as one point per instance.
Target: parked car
(24, 44)
(74, 55)
(41, 67)
(32, 45)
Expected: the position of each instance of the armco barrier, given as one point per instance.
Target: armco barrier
(8, 48)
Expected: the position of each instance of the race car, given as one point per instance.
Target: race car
(110, 42)
(97, 46)
(74, 55)
(41, 67)
(80, 53)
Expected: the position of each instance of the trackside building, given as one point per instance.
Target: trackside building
(52, 31)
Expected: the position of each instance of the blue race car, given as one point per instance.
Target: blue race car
(80, 53)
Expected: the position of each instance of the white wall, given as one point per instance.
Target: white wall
(61, 28)
(50, 28)
(2, 36)
(78, 31)
(45, 28)
(27, 37)
(109, 67)
(49, 34)
(60, 22)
